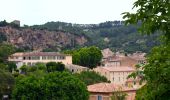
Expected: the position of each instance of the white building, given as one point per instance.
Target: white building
(30, 58)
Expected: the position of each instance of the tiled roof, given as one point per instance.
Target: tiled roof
(119, 69)
(37, 54)
(107, 88)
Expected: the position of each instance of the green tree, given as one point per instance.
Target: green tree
(53, 66)
(52, 86)
(12, 66)
(7, 82)
(154, 15)
(91, 77)
(5, 51)
(88, 56)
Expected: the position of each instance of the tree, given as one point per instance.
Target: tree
(88, 56)
(53, 66)
(154, 15)
(5, 51)
(52, 86)
(7, 82)
(91, 77)
(12, 66)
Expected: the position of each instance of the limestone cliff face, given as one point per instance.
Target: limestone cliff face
(40, 39)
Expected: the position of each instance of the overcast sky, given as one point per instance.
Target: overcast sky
(32, 12)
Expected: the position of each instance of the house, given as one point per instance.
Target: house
(121, 60)
(107, 53)
(139, 57)
(117, 75)
(76, 68)
(17, 22)
(104, 91)
(30, 58)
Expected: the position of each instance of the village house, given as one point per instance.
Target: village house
(104, 91)
(120, 59)
(117, 75)
(31, 58)
(76, 68)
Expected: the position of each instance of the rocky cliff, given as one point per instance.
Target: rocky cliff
(35, 39)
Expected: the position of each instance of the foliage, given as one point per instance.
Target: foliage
(11, 66)
(87, 56)
(154, 16)
(119, 95)
(2, 37)
(53, 86)
(91, 77)
(118, 36)
(53, 66)
(6, 83)
(5, 51)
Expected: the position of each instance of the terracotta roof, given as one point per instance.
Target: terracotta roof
(119, 69)
(108, 88)
(102, 87)
(37, 54)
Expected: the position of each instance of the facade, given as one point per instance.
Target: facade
(104, 91)
(76, 68)
(30, 58)
(117, 75)
(119, 59)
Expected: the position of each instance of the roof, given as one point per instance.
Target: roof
(119, 69)
(106, 53)
(108, 88)
(38, 54)
(138, 56)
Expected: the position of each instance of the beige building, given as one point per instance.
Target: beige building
(76, 68)
(104, 91)
(117, 75)
(118, 59)
(30, 58)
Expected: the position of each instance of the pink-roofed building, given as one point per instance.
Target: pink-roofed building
(117, 75)
(104, 91)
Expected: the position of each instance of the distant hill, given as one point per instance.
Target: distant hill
(56, 36)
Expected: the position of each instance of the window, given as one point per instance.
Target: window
(43, 57)
(99, 97)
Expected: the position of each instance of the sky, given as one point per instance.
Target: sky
(31, 12)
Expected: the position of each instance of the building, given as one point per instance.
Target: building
(139, 57)
(30, 58)
(17, 22)
(117, 75)
(107, 53)
(76, 68)
(118, 59)
(104, 91)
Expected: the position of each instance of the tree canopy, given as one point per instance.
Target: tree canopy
(88, 56)
(7, 82)
(154, 16)
(53, 86)
(91, 77)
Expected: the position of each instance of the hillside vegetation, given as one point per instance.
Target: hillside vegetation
(56, 36)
